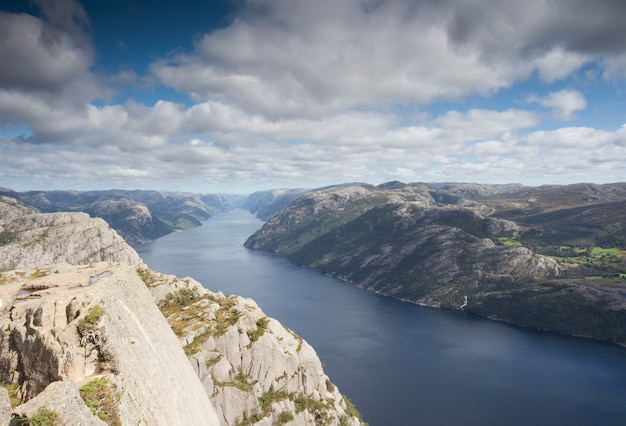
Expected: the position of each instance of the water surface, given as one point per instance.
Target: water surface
(403, 364)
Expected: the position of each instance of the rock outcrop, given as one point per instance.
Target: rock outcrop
(83, 342)
(254, 369)
(54, 238)
(97, 326)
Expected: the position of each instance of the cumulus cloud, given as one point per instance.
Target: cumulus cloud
(37, 56)
(564, 103)
(310, 93)
(300, 58)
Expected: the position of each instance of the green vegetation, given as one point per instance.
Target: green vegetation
(250, 420)
(261, 327)
(90, 332)
(268, 398)
(437, 256)
(241, 381)
(284, 418)
(599, 251)
(351, 409)
(43, 417)
(93, 315)
(211, 362)
(6, 237)
(508, 242)
(100, 396)
(13, 390)
(87, 327)
(149, 278)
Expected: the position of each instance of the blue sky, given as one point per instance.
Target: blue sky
(243, 95)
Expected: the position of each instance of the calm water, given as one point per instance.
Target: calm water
(403, 364)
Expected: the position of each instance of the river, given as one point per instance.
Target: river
(403, 364)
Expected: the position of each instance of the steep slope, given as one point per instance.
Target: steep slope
(428, 245)
(138, 216)
(254, 370)
(264, 204)
(91, 335)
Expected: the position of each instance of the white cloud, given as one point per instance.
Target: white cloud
(564, 103)
(307, 93)
(41, 57)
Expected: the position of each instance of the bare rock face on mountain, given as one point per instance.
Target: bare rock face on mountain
(40, 239)
(10, 208)
(86, 344)
(98, 327)
(255, 370)
(427, 244)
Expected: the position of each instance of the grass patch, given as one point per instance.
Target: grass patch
(211, 362)
(508, 242)
(351, 409)
(6, 237)
(261, 327)
(268, 398)
(599, 251)
(609, 279)
(13, 390)
(284, 418)
(252, 419)
(199, 340)
(149, 278)
(39, 273)
(99, 396)
(241, 381)
(43, 417)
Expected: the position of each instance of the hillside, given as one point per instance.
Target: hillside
(138, 216)
(91, 336)
(550, 257)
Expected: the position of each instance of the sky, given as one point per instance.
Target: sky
(235, 96)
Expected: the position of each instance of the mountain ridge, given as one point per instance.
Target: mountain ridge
(457, 246)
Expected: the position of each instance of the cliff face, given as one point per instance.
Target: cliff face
(74, 238)
(254, 370)
(85, 333)
(98, 326)
(427, 244)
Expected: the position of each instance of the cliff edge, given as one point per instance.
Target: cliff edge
(91, 336)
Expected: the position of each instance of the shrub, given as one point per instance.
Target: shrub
(43, 417)
(99, 396)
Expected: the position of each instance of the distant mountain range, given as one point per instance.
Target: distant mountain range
(549, 257)
(138, 216)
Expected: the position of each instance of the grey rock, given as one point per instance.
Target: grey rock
(55, 238)
(63, 399)
(5, 407)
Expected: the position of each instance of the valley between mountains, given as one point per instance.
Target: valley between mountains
(550, 257)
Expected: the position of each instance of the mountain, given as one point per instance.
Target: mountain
(91, 336)
(138, 216)
(551, 258)
(264, 204)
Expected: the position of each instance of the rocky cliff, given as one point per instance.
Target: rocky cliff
(83, 340)
(254, 370)
(454, 246)
(55, 238)
(138, 216)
